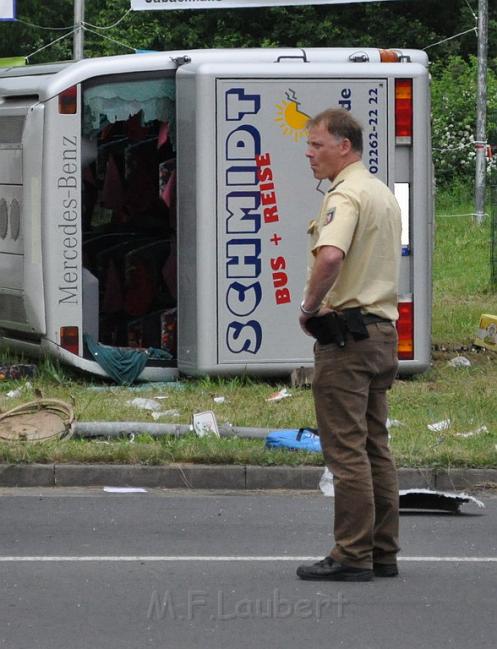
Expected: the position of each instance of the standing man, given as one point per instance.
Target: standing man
(350, 305)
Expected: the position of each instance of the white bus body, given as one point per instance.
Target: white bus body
(155, 198)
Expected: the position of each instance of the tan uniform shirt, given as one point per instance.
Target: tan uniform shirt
(361, 216)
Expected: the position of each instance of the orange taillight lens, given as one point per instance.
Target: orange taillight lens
(405, 330)
(68, 101)
(403, 111)
(69, 339)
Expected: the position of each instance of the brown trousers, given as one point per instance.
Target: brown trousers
(349, 389)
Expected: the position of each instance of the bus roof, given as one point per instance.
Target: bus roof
(48, 80)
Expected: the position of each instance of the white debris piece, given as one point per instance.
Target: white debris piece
(394, 423)
(326, 483)
(125, 490)
(440, 426)
(472, 433)
(166, 413)
(459, 361)
(144, 404)
(457, 498)
(278, 396)
(205, 423)
(219, 399)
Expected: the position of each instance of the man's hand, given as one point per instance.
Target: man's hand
(303, 318)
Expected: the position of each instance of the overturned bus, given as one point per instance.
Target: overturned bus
(159, 203)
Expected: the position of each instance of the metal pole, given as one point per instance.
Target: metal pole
(78, 39)
(481, 112)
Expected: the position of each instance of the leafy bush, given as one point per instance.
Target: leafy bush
(454, 92)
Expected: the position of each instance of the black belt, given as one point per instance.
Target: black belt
(370, 318)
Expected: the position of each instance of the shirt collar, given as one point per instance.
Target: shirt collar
(345, 173)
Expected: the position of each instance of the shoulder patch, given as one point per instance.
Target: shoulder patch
(330, 215)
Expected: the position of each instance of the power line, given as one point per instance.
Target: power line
(113, 24)
(444, 40)
(113, 40)
(51, 43)
(52, 29)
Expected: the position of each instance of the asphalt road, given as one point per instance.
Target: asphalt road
(82, 568)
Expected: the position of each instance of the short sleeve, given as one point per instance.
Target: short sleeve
(337, 222)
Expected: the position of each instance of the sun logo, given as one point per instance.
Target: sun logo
(293, 122)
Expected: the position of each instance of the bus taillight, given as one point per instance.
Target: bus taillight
(403, 111)
(69, 339)
(68, 101)
(405, 331)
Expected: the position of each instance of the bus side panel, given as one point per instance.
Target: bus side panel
(422, 214)
(61, 217)
(34, 302)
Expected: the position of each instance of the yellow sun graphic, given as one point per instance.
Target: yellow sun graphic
(292, 120)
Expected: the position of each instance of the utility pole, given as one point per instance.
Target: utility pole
(481, 112)
(78, 38)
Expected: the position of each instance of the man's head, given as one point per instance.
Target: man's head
(334, 142)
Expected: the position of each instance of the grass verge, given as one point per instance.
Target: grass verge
(464, 397)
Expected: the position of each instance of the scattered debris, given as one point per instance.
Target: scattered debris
(326, 483)
(278, 396)
(431, 499)
(165, 413)
(459, 361)
(394, 423)
(219, 399)
(295, 439)
(301, 377)
(13, 394)
(205, 423)
(16, 372)
(486, 335)
(440, 426)
(144, 404)
(37, 421)
(472, 433)
(140, 387)
(125, 490)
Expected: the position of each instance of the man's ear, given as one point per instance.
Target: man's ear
(345, 146)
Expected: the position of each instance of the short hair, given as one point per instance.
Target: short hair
(340, 123)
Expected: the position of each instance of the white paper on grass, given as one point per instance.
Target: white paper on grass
(459, 361)
(440, 426)
(472, 433)
(205, 423)
(144, 404)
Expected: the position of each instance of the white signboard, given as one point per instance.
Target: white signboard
(148, 5)
(7, 9)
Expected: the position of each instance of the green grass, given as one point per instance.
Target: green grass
(465, 396)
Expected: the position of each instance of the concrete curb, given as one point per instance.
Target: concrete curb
(229, 477)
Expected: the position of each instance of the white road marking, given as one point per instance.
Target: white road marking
(172, 558)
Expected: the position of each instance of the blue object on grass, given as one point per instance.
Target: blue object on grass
(301, 439)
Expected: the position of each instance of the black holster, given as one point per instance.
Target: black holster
(334, 327)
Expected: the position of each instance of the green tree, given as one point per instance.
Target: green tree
(403, 23)
(454, 115)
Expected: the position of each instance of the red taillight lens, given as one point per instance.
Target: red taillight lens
(68, 101)
(403, 111)
(405, 330)
(69, 339)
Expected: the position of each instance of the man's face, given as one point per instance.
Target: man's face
(325, 152)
